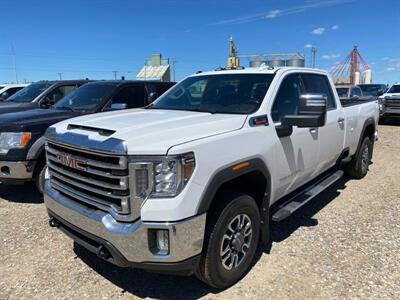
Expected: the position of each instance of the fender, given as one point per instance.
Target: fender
(369, 121)
(36, 149)
(228, 174)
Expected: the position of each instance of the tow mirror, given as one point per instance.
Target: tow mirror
(311, 113)
(379, 92)
(45, 103)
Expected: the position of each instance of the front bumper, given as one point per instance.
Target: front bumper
(16, 170)
(390, 111)
(127, 243)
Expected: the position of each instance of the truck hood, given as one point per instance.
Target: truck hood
(8, 107)
(34, 120)
(147, 131)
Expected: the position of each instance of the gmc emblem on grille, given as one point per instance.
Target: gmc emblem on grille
(71, 162)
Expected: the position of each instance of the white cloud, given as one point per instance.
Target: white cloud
(308, 46)
(386, 58)
(390, 69)
(330, 56)
(280, 12)
(335, 27)
(273, 14)
(318, 31)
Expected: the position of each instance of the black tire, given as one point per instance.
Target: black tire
(358, 166)
(39, 177)
(238, 208)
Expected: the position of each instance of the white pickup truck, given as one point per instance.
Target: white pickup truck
(190, 183)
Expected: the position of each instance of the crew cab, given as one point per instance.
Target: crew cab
(22, 156)
(190, 183)
(41, 94)
(372, 89)
(389, 103)
(11, 89)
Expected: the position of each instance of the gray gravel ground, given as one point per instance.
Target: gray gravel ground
(343, 245)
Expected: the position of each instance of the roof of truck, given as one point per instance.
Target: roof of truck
(259, 70)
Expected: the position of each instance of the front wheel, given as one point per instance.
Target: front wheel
(40, 177)
(232, 240)
(358, 166)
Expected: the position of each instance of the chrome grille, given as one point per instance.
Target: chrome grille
(94, 179)
(393, 103)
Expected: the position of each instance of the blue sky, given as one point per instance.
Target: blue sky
(93, 38)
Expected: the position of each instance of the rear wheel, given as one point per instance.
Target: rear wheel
(358, 166)
(231, 241)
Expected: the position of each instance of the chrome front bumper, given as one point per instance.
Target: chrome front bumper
(130, 239)
(11, 170)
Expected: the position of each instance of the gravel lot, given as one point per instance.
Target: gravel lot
(343, 245)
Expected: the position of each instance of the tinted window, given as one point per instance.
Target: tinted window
(162, 88)
(371, 89)
(287, 99)
(9, 92)
(133, 96)
(60, 92)
(223, 93)
(356, 92)
(319, 84)
(342, 92)
(29, 93)
(87, 97)
(395, 89)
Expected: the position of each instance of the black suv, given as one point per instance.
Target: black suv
(22, 156)
(40, 94)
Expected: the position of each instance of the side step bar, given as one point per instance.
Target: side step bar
(294, 203)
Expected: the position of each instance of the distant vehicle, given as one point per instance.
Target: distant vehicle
(10, 89)
(21, 133)
(349, 91)
(372, 89)
(41, 94)
(389, 103)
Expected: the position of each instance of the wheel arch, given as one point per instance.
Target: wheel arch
(254, 179)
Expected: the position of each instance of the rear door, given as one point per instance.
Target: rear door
(331, 136)
(295, 155)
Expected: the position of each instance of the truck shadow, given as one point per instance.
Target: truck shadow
(24, 193)
(394, 121)
(144, 284)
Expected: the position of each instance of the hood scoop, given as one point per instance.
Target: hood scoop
(100, 131)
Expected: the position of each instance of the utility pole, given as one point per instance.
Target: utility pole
(60, 75)
(115, 74)
(313, 54)
(15, 64)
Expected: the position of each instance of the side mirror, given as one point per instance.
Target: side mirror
(45, 103)
(4, 96)
(118, 106)
(355, 97)
(379, 92)
(152, 97)
(311, 113)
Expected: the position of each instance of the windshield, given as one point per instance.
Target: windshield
(29, 93)
(87, 97)
(395, 89)
(371, 89)
(342, 92)
(225, 93)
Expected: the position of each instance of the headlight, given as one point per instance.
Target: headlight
(169, 174)
(12, 140)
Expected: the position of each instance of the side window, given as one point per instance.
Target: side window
(60, 92)
(319, 84)
(133, 96)
(162, 88)
(287, 99)
(356, 91)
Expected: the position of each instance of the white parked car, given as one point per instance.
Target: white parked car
(8, 90)
(190, 183)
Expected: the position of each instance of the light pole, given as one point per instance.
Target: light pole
(60, 75)
(115, 74)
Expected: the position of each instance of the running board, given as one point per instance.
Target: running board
(304, 196)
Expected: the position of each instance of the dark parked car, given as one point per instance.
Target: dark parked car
(41, 94)
(373, 89)
(22, 156)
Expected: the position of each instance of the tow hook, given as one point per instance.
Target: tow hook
(53, 222)
(103, 252)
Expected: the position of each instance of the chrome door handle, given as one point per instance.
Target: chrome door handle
(313, 130)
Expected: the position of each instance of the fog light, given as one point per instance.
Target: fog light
(159, 241)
